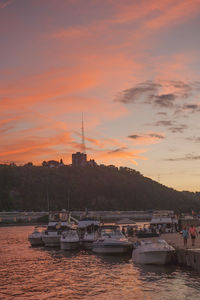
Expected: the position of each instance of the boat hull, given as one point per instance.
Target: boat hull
(108, 248)
(69, 245)
(36, 241)
(152, 257)
(87, 245)
(51, 241)
(146, 235)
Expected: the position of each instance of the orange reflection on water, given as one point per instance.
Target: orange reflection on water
(40, 273)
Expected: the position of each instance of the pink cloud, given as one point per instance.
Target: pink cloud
(34, 148)
(174, 12)
(5, 3)
(91, 63)
(120, 156)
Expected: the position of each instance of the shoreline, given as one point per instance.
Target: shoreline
(22, 224)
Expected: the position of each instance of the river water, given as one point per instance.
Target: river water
(40, 273)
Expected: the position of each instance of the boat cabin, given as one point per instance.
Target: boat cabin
(164, 222)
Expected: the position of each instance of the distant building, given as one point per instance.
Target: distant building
(92, 163)
(113, 167)
(29, 164)
(79, 159)
(53, 163)
(61, 163)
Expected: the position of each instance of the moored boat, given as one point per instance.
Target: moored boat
(164, 221)
(143, 234)
(111, 241)
(51, 236)
(35, 238)
(152, 252)
(58, 223)
(70, 240)
(88, 229)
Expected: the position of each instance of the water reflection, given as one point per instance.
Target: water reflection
(44, 273)
(70, 254)
(113, 259)
(155, 271)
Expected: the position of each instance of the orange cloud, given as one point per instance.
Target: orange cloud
(92, 63)
(105, 142)
(155, 14)
(21, 148)
(119, 156)
(174, 13)
(175, 67)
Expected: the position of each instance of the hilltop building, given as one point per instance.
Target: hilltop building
(92, 163)
(79, 159)
(53, 163)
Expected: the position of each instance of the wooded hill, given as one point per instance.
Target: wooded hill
(97, 188)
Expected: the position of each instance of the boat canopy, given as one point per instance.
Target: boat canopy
(126, 221)
(64, 224)
(162, 220)
(52, 224)
(86, 223)
(112, 227)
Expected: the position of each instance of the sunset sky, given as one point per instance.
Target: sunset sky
(132, 67)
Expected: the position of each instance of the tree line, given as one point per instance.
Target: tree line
(97, 188)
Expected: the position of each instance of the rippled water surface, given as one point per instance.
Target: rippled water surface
(39, 273)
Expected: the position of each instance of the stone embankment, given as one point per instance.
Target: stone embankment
(190, 256)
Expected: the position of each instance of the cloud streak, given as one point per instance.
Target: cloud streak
(148, 138)
(120, 155)
(189, 157)
(172, 126)
(158, 93)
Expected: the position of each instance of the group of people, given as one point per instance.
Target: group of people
(127, 231)
(193, 234)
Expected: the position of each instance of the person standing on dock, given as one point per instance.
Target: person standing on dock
(193, 234)
(185, 234)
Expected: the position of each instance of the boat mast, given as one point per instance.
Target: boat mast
(83, 137)
(48, 202)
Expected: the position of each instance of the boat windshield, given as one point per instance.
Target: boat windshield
(71, 233)
(51, 228)
(111, 233)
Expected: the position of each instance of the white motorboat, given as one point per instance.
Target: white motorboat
(88, 232)
(88, 239)
(58, 223)
(152, 252)
(111, 241)
(35, 238)
(70, 240)
(51, 236)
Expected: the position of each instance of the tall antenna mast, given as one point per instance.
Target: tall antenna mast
(83, 137)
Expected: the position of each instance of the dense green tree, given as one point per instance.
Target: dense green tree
(98, 188)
